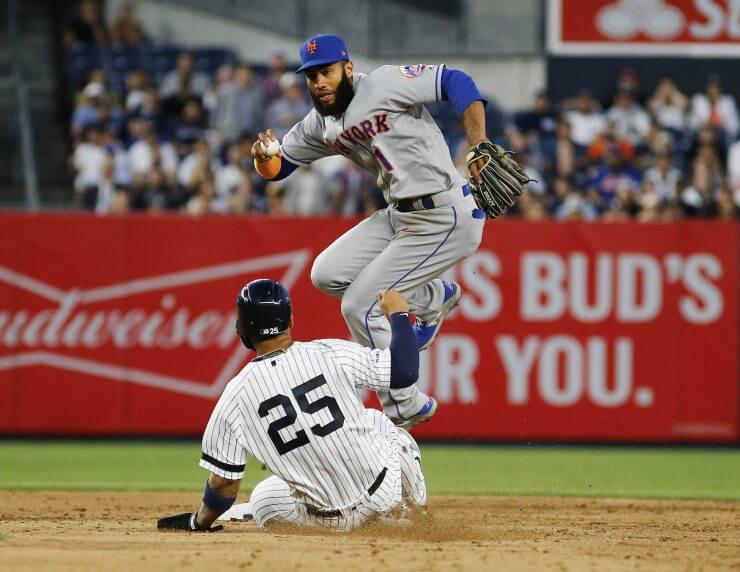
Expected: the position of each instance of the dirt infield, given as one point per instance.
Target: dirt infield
(115, 531)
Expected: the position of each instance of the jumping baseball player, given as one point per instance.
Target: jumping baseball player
(294, 408)
(435, 217)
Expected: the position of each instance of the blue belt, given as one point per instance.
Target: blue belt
(423, 203)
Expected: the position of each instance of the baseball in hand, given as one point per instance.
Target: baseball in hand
(272, 149)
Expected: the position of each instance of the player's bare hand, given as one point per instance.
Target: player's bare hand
(475, 168)
(391, 301)
(264, 138)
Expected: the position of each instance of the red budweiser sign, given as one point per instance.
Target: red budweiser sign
(566, 331)
(57, 327)
(645, 27)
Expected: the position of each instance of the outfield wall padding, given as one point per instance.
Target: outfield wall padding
(567, 331)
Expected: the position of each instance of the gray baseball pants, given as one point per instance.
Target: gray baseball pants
(398, 251)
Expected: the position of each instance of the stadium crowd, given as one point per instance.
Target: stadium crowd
(182, 144)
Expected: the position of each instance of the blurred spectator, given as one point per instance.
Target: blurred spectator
(224, 78)
(733, 166)
(532, 208)
(630, 120)
(716, 109)
(149, 110)
(137, 85)
(181, 84)
(94, 109)
(126, 29)
(542, 119)
(304, 193)
(708, 149)
(669, 105)
(150, 153)
(585, 119)
(290, 108)
(120, 172)
(202, 201)
(120, 204)
(233, 186)
(239, 106)
(613, 176)
(190, 127)
(270, 84)
(628, 81)
(597, 151)
(649, 203)
(696, 198)
(87, 27)
(561, 154)
(727, 207)
(197, 167)
(154, 194)
(98, 75)
(664, 178)
(89, 163)
(575, 207)
(660, 142)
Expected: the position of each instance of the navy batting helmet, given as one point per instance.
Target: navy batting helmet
(263, 311)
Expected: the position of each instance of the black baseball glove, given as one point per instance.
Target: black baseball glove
(503, 179)
(184, 521)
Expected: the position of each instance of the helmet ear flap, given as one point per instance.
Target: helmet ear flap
(245, 340)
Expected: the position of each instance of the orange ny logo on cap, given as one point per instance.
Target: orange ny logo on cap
(312, 47)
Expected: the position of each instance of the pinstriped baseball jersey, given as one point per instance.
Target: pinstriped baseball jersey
(386, 130)
(297, 412)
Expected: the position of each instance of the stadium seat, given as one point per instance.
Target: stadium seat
(208, 60)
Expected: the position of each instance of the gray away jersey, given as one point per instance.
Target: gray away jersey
(386, 130)
(298, 413)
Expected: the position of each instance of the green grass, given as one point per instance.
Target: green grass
(3, 536)
(552, 471)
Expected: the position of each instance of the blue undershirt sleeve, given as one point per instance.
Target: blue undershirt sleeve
(404, 352)
(459, 88)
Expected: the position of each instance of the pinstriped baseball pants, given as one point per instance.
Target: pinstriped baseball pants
(273, 500)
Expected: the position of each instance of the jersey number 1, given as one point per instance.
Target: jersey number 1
(382, 159)
(300, 391)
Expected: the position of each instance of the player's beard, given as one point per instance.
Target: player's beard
(342, 97)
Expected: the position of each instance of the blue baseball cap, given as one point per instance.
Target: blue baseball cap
(322, 49)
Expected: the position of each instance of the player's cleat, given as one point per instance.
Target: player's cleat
(424, 414)
(426, 331)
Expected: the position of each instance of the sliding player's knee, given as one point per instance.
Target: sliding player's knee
(270, 503)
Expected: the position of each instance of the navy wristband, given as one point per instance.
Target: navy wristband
(286, 168)
(215, 501)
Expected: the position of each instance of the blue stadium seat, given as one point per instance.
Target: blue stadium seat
(208, 60)
(82, 59)
(126, 58)
(117, 80)
(164, 57)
